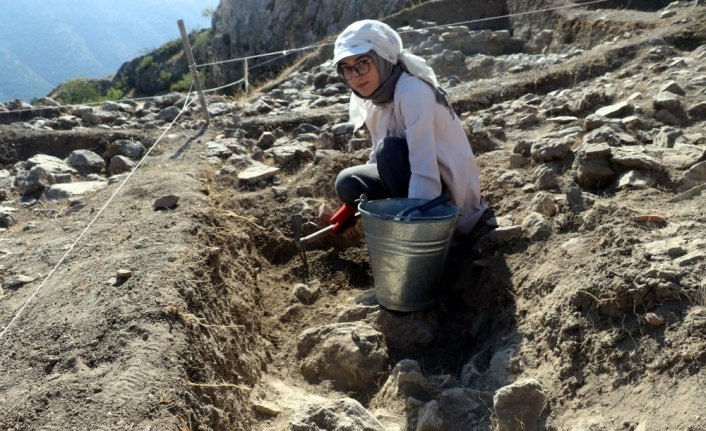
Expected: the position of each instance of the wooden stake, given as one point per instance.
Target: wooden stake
(192, 68)
(245, 75)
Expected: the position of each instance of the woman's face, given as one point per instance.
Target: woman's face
(353, 70)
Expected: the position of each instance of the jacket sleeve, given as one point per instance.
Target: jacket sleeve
(416, 107)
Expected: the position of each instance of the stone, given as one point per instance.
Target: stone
(527, 121)
(8, 217)
(165, 202)
(119, 164)
(596, 151)
(697, 111)
(617, 110)
(72, 190)
(577, 247)
(626, 139)
(266, 140)
(543, 203)
(168, 114)
(306, 128)
(37, 180)
(406, 380)
(666, 248)
(429, 418)
(633, 122)
(305, 191)
(307, 293)
(266, 408)
(237, 162)
(90, 118)
(460, 409)
(536, 227)
(550, 150)
(689, 194)
(258, 172)
(339, 415)
(529, 188)
(592, 423)
(690, 259)
(115, 106)
(635, 159)
(673, 87)
(519, 406)
(67, 122)
(594, 121)
(513, 178)
(6, 179)
(523, 148)
(564, 119)
(17, 281)
(356, 144)
(124, 147)
(593, 173)
(683, 156)
(546, 179)
(359, 312)
(411, 332)
(695, 176)
(52, 165)
(168, 99)
(635, 180)
(666, 137)
(123, 274)
(517, 161)
(217, 149)
(352, 355)
(666, 100)
(342, 129)
(502, 235)
(667, 117)
(86, 162)
(216, 109)
(260, 106)
(288, 153)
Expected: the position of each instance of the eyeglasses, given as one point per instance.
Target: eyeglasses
(361, 68)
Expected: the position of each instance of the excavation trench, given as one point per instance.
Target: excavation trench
(241, 283)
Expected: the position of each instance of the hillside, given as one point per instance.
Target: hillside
(173, 295)
(45, 43)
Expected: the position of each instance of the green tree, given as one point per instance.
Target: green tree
(80, 90)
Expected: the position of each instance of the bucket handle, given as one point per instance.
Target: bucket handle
(439, 200)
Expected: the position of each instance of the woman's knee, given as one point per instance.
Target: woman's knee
(347, 186)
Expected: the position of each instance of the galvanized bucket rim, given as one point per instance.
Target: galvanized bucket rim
(407, 219)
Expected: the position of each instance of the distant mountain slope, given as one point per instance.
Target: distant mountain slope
(43, 43)
(17, 78)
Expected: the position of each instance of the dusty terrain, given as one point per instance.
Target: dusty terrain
(597, 293)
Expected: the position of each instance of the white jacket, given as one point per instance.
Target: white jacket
(438, 147)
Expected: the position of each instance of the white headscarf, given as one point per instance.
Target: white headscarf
(363, 36)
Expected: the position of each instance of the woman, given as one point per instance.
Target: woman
(420, 149)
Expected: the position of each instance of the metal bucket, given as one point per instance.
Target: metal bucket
(407, 255)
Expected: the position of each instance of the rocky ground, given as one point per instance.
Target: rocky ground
(579, 302)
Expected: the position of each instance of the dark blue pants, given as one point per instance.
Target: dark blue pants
(387, 178)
